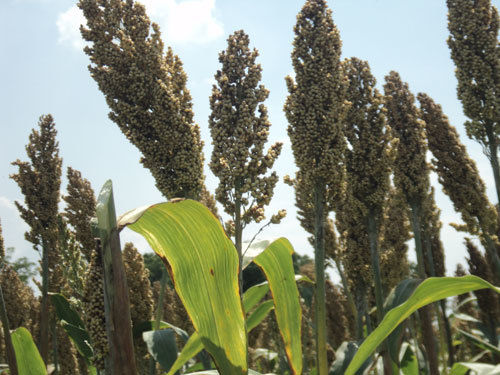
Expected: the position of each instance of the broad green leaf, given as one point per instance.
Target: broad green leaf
(162, 346)
(276, 262)
(430, 290)
(73, 325)
(343, 356)
(463, 368)
(193, 346)
(29, 361)
(204, 267)
(80, 338)
(259, 314)
(254, 294)
(64, 310)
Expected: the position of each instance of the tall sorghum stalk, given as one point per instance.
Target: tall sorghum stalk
(314, 109)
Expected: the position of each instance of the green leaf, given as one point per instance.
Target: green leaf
(148, 325)
(254, 294)
(276, 262)
(259, 314)
(409, 362)
(80, 338)
(480, 342)
(193, 346)
(162, 346)
(204, 267)
(64, 310)
(29, 361)
(73, 325)
(398, 295)
(343, 356)
(463, 368)
(431, 290)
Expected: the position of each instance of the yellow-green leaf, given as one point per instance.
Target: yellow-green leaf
(29, 361)
(204, 267)
(430, 290)
(276, 262)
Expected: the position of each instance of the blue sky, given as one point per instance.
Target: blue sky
(45, 71)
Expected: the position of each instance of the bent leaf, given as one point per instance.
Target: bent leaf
(162, 346)
(204, 267)
(29, 361)
(430, 290)
(259, 314)
(463, 368)
(276, 262)
(73, 325)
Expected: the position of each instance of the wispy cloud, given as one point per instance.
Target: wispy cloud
(7, 203)
(181, 22)
(68, 24)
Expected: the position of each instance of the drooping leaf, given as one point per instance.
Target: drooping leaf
(162, 346)
(253, 251)
(276, 262)
(193, 346)
(64, 310)
(148, 325)
(29, 361)
(73, 325)
(463, 368)
(80, 338)
(204, 268)
(431, 290)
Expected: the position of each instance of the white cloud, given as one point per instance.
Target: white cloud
(68, 25)
(5, 202)
(181, 22)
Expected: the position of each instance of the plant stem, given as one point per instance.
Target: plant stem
(238, 231)
(54, 344)
(158, 315)
(44, 317)
(493, 147)
(442, 304)
(319, 262)
(425, 316)
(347, 292)
(379, 297)
(9, 348)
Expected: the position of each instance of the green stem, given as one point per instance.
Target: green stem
(442, 304)
(238, 231)
(347, 291)
(9, 348)
(425, 316)
(493, 150)
(158, 315)
(44, 318)
(319, 262)
(379, 297)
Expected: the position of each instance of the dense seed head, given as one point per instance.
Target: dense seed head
(239, 127)
(315, 106)
(432, 227)
(93, 305)
(80, 209)
(39, 180)
(473, 42)
(394, 234)
(411, 172)
(146, 92)
(2, 246)
(457, 172)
